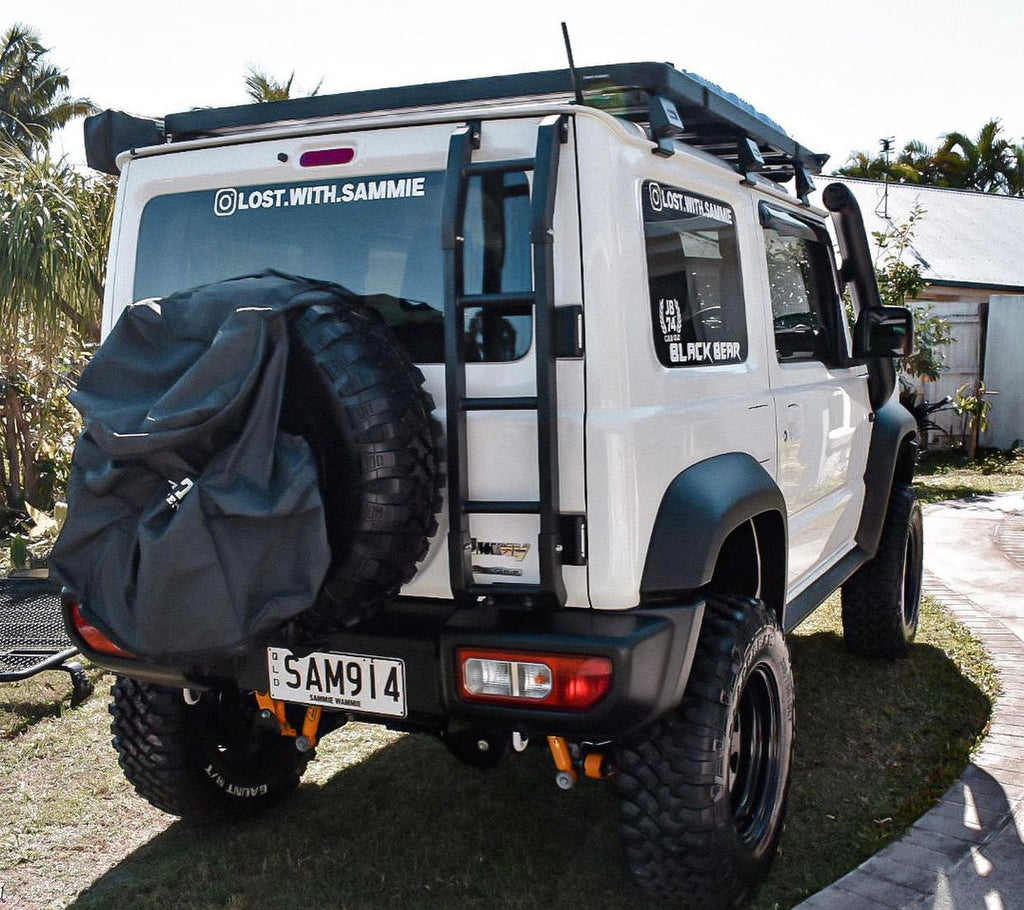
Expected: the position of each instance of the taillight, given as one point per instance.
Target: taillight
(565, 682)
(324, 157)
(93, 637)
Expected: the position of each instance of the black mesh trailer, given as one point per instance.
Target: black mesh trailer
(32, 636)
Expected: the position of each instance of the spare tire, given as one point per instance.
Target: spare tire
(357, 398)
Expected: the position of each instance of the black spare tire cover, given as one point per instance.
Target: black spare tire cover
(251, 447)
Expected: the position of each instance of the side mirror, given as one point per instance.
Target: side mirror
(886, 331)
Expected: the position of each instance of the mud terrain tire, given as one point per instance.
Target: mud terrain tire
(355, 396)
(704, 788)
(882, 600)
(209, 761)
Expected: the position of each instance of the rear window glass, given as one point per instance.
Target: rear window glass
(377, 236)
(693, 270)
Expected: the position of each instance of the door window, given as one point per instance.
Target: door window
(806, 310)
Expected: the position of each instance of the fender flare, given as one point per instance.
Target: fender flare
(700, 509)
(889, 458)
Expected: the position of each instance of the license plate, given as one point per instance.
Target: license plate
(351, 682)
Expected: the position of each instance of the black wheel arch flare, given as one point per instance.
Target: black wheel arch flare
(891, 457)
(702, 507)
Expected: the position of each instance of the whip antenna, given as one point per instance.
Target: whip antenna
(572, 66)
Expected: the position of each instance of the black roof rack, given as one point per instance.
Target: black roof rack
(711, 118)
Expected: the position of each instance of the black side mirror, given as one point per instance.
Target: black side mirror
(886, 331)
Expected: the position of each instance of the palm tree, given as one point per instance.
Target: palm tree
(1015, 174)
(915, 163)
(54, 222)
(983, 164)
(260, 86)
(859, 164)
(54, 225)
(912, 165)
(34, 96)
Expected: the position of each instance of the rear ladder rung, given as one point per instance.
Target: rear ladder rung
(508, 166)
(524, 403)
(547, 325)
(501, 507)
(497, 589)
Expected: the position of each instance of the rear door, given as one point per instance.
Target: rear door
(363, 208)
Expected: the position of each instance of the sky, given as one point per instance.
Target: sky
(837, 77)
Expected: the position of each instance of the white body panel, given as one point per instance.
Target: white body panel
(646, 423)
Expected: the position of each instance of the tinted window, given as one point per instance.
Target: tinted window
(803, 296)
(377, 236)
(696, 294)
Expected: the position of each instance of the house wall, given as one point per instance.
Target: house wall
(1004, 370)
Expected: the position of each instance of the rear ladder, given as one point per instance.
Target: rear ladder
(550, 591)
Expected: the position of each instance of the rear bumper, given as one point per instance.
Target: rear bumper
(651, 650)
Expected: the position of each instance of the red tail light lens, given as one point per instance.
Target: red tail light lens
(93, 637)
(563, 682)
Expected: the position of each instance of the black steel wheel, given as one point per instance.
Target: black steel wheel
(882, 600)
(754, 760)
(704, 788)
(212, 760)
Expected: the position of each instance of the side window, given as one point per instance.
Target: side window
(693, 273)
(805, 304)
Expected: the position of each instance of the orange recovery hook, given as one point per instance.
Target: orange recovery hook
(304, 740)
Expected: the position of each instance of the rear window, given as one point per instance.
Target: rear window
(377, 236)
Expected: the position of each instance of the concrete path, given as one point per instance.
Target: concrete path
(967, 853)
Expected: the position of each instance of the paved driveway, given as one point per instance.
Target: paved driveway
(967, 853)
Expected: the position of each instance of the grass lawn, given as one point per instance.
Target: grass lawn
(952, 475)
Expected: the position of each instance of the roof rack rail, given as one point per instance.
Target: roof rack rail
(709, 118)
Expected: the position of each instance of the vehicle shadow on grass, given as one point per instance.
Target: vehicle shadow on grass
(410, 827)
(406, 827)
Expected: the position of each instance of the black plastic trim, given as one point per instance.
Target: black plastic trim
(801, 606)
(701, 507)
(893, 427)
(651, 651)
